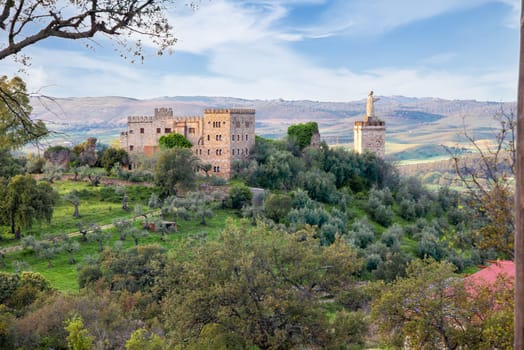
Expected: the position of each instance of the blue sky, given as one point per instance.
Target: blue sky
(327, 50)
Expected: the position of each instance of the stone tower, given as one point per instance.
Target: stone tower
(370, 134)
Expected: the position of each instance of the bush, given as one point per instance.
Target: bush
(239, 195)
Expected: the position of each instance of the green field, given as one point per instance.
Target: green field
(100, 205)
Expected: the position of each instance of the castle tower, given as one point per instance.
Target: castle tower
(370, 134)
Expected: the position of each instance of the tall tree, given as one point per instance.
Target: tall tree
(261, 288)
(27, 22)
(24, 201)
(175, 168)
(16, 127)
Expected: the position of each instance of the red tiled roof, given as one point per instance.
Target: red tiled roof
(489, 274)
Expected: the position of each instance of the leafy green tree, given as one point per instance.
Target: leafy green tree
(9, 165)
(174, 140)
(97, 234)
(199, 204)
(302, 133)
(70, 246)
(432, 308)
(79, 337)
(277, 206)
(52, 172)
(141, 339)
(121, 190)
(94, 175)
(263, 287)
(24, 201)
(16, 126)
(175, 168)
(112, 156)
(239, 195)
(136, 234)
(73, 198)
(47, 249)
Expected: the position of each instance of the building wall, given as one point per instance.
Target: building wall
(219, 138)
(370, 136)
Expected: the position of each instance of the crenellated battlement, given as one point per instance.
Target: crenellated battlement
(163, 112)
(229, 111)
(140, 119)
(370, 123)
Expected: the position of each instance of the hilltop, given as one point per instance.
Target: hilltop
(411, 122)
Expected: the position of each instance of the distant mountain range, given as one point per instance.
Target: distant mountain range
(411, 122)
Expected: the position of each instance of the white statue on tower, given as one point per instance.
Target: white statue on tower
(370, 111)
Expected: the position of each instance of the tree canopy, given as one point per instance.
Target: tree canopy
(16, 127)
(302, 133)
(25, 23)
(174, 140)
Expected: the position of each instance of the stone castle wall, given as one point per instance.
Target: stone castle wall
(370, 136)
(219, 138)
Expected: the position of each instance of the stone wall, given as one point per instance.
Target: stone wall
(219, 138)
(370, 136)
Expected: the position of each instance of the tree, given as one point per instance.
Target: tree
(431, 308)
(70, 246)
(97, 234)
(94, 175)
(302, 133)
(24, 201)
(487, 176)
(175, 168)
(141, 339)
(239, 195)
(174, 140)
(263, 287)
(112, 156)
(16, 126)
(28, 22)
(73, 198)
(78, 338)
(122, 191)
(52, 172)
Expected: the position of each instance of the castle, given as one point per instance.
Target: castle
(219, 138)
(370, 134)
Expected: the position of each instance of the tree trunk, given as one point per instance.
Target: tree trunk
(71, 258)
(76, 214)
(84, 235)
(519, 200)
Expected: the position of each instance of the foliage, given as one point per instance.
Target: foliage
(127, 22)
(9, 165)
(302, 133)
(261, 287)
(277, 206)
(141, 339)
(16, 126)
(175, 168)
(78, 338)
(94, 175)
(24, 201)
(112, 156)
(174, 140)
(432, 308)
(239, 195)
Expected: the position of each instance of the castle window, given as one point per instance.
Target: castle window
(131, 147)
(208, 152)
(246, 137)
(232, 137)
(238, 137)
(158, 130)
(191, 130)
(200, 152)
(247, 150)
(131, 131)
(141, 130)
(167, 130)
(247, 124)
(216, 169)
(208, 137)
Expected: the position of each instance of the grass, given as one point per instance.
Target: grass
(99, 205)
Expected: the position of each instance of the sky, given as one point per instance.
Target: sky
(320, 50)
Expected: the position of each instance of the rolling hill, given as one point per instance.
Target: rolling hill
(411, 122)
